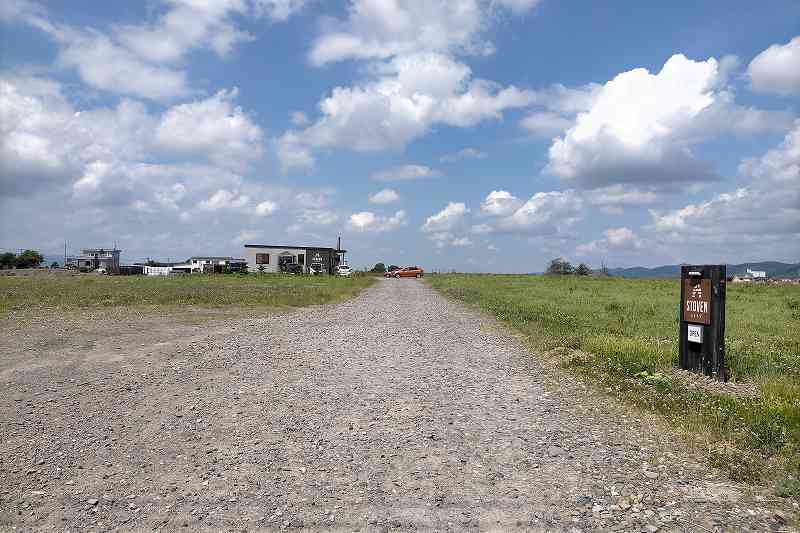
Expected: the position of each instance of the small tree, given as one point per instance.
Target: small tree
(560, 266)
(261, 269)
(8, 260)
(54, 264)
(583, 270)
(29, 259)
(379, 268)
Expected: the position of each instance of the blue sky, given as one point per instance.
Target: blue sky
(477, 135)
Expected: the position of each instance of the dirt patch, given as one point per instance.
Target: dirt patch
(694, 381)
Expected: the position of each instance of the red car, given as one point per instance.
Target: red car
(406, 272)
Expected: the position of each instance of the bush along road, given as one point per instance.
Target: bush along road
(395, 410)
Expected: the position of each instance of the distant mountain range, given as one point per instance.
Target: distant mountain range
(772, 268)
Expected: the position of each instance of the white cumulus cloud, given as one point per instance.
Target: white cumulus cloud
(213, 126)
(402, 101)
(378, 30)
(500, 203)
(464, 153)
(405, 173)
(266, 208)
(147, 59)
(766, 210)
(447, 219)
(517, 6)
(279, 10)
(614, 198)
(369, 222)
(640, 128)
(614, 239)
(544, 213)
(443, 228)
(777, 69)
(246, 236)
(545, 124)
(385, 196)
(318, 217)
(224, 199)
(628, 133)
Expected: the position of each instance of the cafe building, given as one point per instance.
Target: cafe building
(276, 257)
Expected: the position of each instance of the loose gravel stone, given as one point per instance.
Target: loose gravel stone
(395, 411)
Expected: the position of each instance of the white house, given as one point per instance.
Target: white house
(270, 258)
(757, 274)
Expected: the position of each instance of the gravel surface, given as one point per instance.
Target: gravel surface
(397, 410)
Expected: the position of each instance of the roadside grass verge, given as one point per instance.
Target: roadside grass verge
(27, 295)
(629, 330)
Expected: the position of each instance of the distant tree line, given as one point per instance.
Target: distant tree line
(381, 268)
(27, 259)
(561, 267)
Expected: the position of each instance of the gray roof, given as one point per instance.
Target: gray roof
(295, 246)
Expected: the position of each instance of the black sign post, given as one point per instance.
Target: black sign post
(702, 320)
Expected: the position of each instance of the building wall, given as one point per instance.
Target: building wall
(157, 271)
(326, 257)
(253, 267)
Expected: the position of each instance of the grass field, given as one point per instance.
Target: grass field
(21, 295)
(630, 327)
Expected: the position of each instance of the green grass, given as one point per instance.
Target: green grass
(630, 328)
(24, 295)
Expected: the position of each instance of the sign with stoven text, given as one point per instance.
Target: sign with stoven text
(701, 332)
(697, 301)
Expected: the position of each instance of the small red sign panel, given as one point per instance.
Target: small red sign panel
(697, 301)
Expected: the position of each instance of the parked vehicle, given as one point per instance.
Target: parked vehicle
(408, 272)
(343, 270)
(293, 268)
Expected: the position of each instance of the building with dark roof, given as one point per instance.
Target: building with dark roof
(276, 257)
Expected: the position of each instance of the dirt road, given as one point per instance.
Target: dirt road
(397, 410)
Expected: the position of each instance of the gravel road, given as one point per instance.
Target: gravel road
(397, 410)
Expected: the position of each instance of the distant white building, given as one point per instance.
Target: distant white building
(167, 270)
(211, 264)
(95, 258)
(157, 271)
(757, 274)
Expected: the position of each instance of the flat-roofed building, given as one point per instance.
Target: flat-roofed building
(94, 258)
(275, 258)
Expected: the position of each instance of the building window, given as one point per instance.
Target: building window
(262, 259)
(301, 259)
